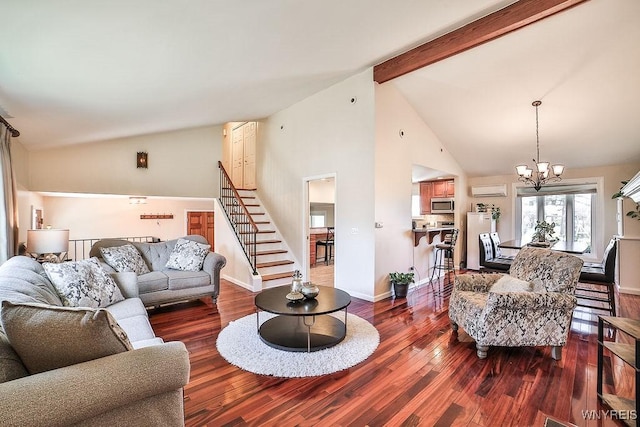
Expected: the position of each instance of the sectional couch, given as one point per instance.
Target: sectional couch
(62, 366)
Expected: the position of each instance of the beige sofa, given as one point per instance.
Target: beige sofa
(164, 285)
(140, 386)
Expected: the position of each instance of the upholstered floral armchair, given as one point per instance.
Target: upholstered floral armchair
(530, 306)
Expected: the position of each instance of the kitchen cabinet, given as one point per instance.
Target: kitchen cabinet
(425, 197)
(443, 188)
(434, 189)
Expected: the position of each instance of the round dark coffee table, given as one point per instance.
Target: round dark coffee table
(302, 325)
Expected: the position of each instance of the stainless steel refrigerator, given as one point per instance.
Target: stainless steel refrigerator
(477, 222)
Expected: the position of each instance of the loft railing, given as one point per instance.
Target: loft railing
(80, 248)
(243, 225)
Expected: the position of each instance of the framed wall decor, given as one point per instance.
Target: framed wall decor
(142, 160)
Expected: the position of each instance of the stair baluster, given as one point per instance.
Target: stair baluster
(243, 225)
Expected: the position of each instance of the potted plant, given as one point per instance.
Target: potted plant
(400, 282)
(634, 213)
(495, 210)
(544, 232)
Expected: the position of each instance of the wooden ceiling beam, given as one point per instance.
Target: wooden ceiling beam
(497, 24)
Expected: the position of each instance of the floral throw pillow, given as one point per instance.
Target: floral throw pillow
(188, 255)
(124, 258)
(83, 283)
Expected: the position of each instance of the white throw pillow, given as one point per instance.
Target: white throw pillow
(188, 255)
(124, 258)
(83, 283)
(510, 284)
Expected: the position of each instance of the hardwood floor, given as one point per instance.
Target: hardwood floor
(421, 374)
(322, 275)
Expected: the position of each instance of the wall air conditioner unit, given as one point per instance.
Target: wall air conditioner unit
(489, 190)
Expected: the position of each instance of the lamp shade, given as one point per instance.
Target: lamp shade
(47, 241)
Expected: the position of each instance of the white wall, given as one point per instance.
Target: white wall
(26, 201)
(109, 167)
(20, 162)
(322, 191)
(325, 134)
(100, 216)
(395, 157)
(181, 163)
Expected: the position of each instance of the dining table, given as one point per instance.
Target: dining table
(559, 245)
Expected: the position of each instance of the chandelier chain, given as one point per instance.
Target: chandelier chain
(537, 136)
(540, 174)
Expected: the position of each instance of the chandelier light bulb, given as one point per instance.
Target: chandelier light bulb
(542, 171)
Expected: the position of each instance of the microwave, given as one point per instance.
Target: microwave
(442, 205)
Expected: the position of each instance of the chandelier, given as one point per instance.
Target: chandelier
(540, 176)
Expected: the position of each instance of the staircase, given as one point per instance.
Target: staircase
(261, 242)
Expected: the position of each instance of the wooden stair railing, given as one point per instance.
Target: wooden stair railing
(243, 225)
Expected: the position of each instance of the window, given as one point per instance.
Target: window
(570, 207)
(318, 219)
(415, 206)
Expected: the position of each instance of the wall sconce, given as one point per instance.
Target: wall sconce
(137, 200)
(142, 160)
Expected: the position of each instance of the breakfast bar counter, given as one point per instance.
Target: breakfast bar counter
(430, 233)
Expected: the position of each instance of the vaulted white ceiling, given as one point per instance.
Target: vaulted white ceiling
(74, 71)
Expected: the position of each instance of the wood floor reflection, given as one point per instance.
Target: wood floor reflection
(421, 374)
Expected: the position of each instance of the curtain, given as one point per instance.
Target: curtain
(8, 199)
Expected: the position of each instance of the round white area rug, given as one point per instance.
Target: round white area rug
(240, 344)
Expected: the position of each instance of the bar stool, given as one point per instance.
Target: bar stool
(444, 253)
(328, 245)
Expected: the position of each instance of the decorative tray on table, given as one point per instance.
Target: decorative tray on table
(294, 296)
(539, 244)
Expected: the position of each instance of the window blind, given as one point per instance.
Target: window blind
(547, 190)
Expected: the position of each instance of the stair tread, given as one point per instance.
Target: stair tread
(259, 232)
(276, 276)
(258, 242)
(271, 252)
(274, 263)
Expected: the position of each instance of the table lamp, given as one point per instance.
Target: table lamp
(48, 245)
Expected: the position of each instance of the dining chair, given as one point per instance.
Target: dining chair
(497, 252)
(488, 261)
(602, 276)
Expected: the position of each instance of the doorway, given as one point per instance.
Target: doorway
(201, 223)
(320, 229)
